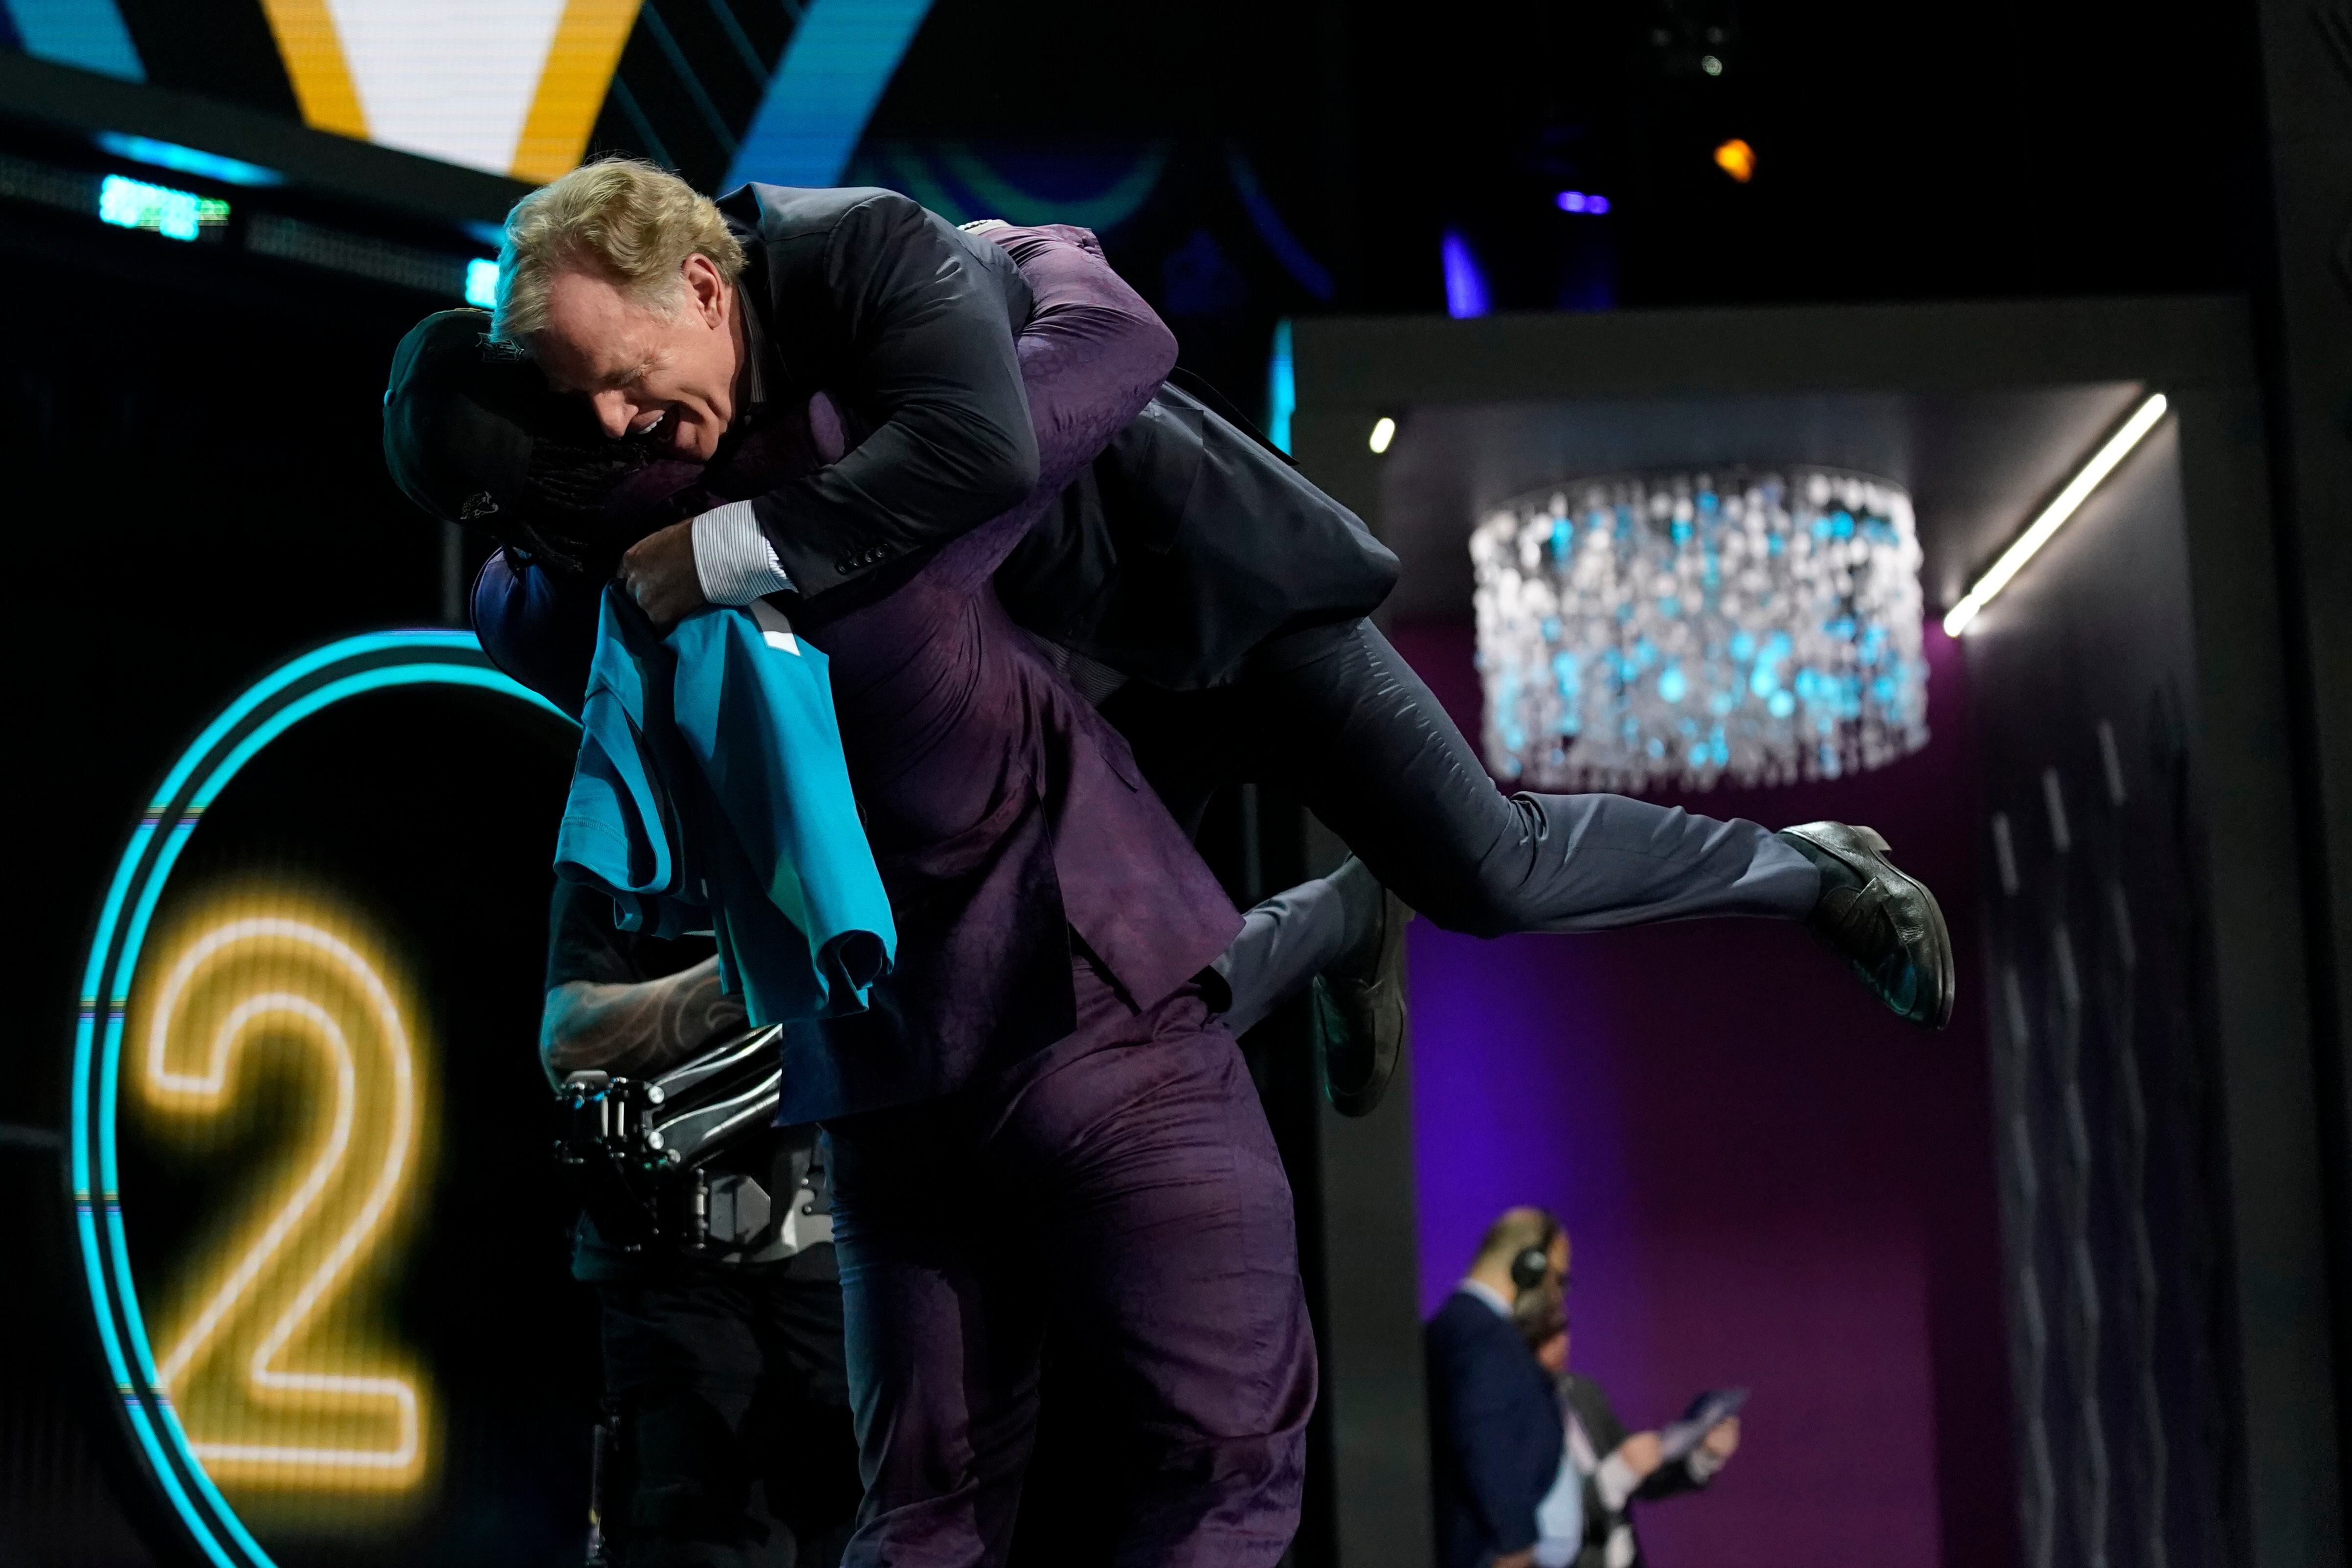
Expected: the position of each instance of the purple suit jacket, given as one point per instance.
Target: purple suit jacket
(1004, 813)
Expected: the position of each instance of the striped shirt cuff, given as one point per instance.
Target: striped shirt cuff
(732, 559)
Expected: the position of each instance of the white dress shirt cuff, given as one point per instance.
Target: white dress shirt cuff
(1703, 1465)
(732, 559)
(1615, 1480)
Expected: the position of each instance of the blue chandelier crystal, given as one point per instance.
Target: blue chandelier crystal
(1637, 630)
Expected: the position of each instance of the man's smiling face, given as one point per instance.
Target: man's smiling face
(670, 378)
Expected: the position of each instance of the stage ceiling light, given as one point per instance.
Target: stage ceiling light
(1383, 432)
(2054, 517)
(482, 283)
(1737, 159)
(1466, 283)
(173, 214)
(1672, 628)
(186, 160)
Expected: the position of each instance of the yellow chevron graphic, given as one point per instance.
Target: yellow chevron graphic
(313, 53)
(571, 87)
(572, 81)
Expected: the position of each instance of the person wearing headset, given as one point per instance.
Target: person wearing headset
(1510, 1491)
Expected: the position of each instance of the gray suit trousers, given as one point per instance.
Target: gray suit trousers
(1335, 717)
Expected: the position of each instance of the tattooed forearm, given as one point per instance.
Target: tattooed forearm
(635, 1029)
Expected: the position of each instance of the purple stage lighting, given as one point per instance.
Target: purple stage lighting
(1465, 286)
(1590, 202)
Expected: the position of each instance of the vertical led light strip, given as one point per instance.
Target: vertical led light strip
(1466, 284)
(2054, 517)
(1281, 387)
(302, 687)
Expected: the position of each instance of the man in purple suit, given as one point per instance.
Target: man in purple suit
(1040, 1130)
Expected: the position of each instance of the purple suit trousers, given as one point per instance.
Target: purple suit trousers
(1119, 1194)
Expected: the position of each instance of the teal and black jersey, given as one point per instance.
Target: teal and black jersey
(711, 793)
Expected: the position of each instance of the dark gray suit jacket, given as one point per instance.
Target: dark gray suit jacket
(1184, 546)
(1599, 1419)
(907, 323)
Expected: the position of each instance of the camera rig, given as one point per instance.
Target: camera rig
(639, 1149)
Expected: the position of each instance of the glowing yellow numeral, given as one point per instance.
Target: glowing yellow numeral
(299, 973)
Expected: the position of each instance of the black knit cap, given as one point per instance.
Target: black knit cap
(461, 417)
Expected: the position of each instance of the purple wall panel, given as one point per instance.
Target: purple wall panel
(1770, 1180)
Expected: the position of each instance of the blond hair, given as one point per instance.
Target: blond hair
(622, 219)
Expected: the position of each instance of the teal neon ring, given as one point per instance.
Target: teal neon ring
(264, 711)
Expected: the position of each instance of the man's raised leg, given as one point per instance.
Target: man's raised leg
(1349, 728)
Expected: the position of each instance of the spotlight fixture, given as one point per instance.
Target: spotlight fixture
(2054, 517)
(1383, 432)
(1709, 64)
(1592, 202)
(1737, 159)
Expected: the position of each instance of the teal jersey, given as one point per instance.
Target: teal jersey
(711, 792)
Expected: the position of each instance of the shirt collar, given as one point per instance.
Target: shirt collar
(755, 359)
(1488, 1294)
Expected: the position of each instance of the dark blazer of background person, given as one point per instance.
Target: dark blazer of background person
(1495, 1433)
(1180, 549)
(1599, 1419)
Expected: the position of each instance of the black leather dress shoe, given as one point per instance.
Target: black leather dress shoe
(1885, 924)
(1360, 1007)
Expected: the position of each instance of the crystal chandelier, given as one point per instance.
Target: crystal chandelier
(1672, 628)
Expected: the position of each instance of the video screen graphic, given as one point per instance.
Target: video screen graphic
(722, 90)
(512, 86)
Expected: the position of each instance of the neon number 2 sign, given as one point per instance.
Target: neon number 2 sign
(276, 1371)
(267, 1393)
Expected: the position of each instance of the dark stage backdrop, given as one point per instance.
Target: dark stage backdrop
(2101, 1009)
(1770, 1182)
(197, 493)
(434, 1404)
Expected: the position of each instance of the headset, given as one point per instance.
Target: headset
(1532, 1265)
